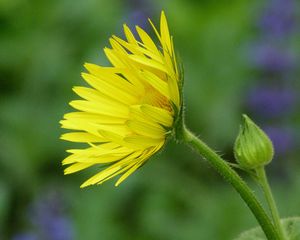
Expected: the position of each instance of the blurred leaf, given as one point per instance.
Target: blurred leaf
(291, 226)
(4, 204)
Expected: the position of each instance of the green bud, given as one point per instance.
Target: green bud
(252, 148)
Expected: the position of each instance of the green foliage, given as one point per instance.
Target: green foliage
(43, 45)
(291, 226)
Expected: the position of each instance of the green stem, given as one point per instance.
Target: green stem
(233, 178)
(262, 177)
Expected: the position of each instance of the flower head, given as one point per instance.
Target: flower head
(129, 109)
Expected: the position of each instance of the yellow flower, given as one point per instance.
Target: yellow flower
(129, 109)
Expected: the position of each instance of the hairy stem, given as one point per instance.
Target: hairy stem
(262, 177)
(233, 178)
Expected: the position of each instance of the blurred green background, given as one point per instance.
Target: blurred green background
(176, 196)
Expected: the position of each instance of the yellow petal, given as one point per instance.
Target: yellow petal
(149, 62)
(112, 78)
(100, 108)
(112, 137)
(156, 83)
(133, 48)
(93, 151)
(132, 163)
(112, 86)
(116, 46)
(133, 77)
(142, 159)
(145, 129)
(149, 44)
(129, 35)
(137, 114)
(93, 118)
(108, 158)
(106, 173)
(114, 59)
(142, 142)
(127, 72)
(164, 32)
(80, 125)
(138, 50)
(174, 91)
(129, 172)
(77, 167)
(121, 129)
(81, 137)
(155, 30)
(91, 94)
(174, 58)
(156, 114)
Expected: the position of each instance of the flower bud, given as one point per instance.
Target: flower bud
(252, 148)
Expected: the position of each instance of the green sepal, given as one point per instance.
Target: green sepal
(178, 126)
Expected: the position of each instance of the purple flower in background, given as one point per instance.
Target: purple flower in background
(282, 138)
(139, 12)
(275, 99)
(271, 101)
(48, 220)
(59, 228)
(278, 18)
(271, 58)
(138, 17)
(25, 236)
(48, 214)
